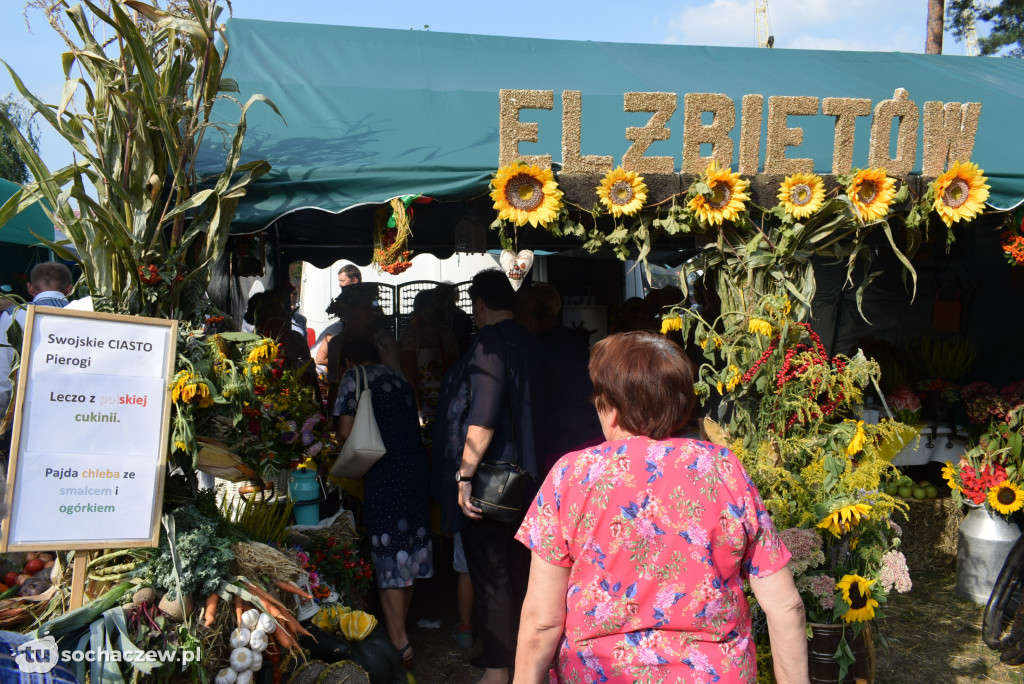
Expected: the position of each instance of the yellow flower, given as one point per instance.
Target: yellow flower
(845, 519)
(1006, 497)
(760, 326)
(622, 192)
(960, 193)
(728, 193)
(713, 341)
(802, 194)
(950, 474)
(857, 594)
(203, 392)
(857, 441)
(734, 378)
(266, 350)
(670, 324)
(871, 193)
(181, 446)
(526, 194)
(720, 387)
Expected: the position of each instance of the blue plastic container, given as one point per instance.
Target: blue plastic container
(304, 491)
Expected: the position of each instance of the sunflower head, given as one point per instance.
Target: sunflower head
(802, 194)
(526, 194)
(726, 198)
(960, 193)
(952, 477)
(623, 193)
(671, 323)
(871, 192)
(1006, 497)
(845, 518)
(856, 592)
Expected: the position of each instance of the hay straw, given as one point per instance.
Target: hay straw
(253, 559)
(930, 534)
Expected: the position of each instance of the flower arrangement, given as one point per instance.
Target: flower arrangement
(233, 405)
(332, 562)
(789, 411)
(991, 472)
(1013, 245)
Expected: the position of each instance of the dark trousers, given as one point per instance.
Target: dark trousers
(499, 567)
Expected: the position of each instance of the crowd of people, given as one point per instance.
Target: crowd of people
(628, 562)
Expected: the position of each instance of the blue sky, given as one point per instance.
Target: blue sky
(877, 25)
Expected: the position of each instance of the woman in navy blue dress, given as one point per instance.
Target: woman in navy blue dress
(396, 504)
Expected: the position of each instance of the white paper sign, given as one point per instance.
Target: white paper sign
(90, 437)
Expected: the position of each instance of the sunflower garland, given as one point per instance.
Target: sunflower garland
(802, 194)
(871, 193)
(526, 194)
(856, 593)
(725, 198)
(622, 192)
(960, 193)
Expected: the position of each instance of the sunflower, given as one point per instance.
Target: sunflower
(960, 193)
(845, 518)
(802, 194)
(734, 378)
(526, 194)
(871, 193)
(760, 326)
(950, 474)
(670, 324)
(266, 350)
(857, 441)
(622, 192)
(1006, 497)
(857, 594)
(728, 193)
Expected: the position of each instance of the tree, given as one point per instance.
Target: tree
(1005, 19)
(12, 166)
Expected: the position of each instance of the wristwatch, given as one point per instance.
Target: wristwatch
(459, 477)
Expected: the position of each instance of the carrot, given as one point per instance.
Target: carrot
(285, 640)
(285, 618)
(292, 589)
(211, 610)
(238, 610)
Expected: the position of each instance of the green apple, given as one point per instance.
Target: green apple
(919, 492)
(905, 491)
(931, 492)
(924, 483)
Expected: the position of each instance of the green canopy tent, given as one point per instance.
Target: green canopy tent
(19, 246)
(370, 114)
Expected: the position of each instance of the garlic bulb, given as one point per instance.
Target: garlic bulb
(244, 677)
(258, 640)
(257, 661)
(266, 624)
(240, 637)
(250, 618)
(226, 676)
(241, 660)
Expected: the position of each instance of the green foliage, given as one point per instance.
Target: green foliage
(200, 559)
(135, 111)
(12, 166)
(1005, 21)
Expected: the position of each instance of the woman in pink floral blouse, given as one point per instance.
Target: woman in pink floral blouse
(641, 545)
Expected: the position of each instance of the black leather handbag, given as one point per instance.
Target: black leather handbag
(501, 491)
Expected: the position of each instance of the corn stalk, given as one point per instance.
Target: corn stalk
(135, 109)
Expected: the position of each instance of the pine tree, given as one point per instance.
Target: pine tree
(12, 167)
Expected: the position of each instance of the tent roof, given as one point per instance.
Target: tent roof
(18, 230)
(371, 114)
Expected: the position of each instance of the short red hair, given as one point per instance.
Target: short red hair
(647, 378)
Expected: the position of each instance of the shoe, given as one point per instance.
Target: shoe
(406, 653)
(463, 637)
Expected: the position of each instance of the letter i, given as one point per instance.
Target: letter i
(115, 491)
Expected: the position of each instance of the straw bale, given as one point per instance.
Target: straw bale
(930, 534)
